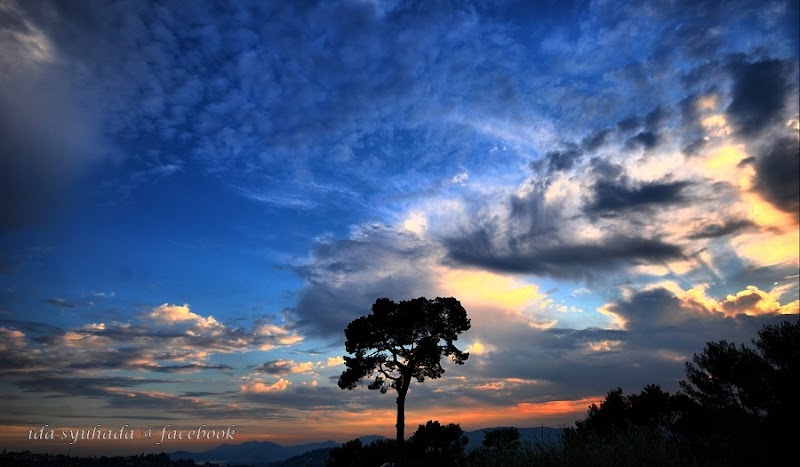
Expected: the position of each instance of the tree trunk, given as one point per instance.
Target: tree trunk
(401, 418)
(402, 390)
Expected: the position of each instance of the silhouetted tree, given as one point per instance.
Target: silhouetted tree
(746, 399)
(502, 439)
(348, 454)
(727, 378)
(609, 417)
(651, 410)
(779, 346)
(436, 444)
(399, 342)
(738, 406)
(355, 454)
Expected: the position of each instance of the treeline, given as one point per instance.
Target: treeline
(27, 458)
(739, 405)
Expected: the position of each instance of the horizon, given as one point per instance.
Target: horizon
(99, 447)
(196, 199)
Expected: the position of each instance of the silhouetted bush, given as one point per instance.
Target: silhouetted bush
(436, 444)
(355, 454)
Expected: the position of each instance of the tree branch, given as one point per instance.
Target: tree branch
(385, 373)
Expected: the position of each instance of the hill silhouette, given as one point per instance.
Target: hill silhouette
(266, 453)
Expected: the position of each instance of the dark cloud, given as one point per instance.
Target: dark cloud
(567, 260)
(657, 117)
(59, 302)
(324, 397)
(187, 368)
(656, 308)
(657, 318)
(645, 139)
(694, 146)
(721, 230)
(605, 169)
(583, 373)
(595, 140)
(610, 198)
(746, 161)
(62, 384)
(275, 367)
(777, 169)
(563, 159)
(629, 124)
(534, 236)
(117, 392)
(652, 122)
(571, 153)
(344, 277)
(759, 94)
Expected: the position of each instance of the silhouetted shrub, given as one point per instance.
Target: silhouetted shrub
(436, 444)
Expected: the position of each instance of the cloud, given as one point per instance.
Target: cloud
(247, 105)
(172, 314)
(670, 310)
(776, 170)
(168, 339)
(284, 367)
(59, 302)
(613, 198)
(720, 230)
(334, 361)
(345, 276)
(645, 139)
(566, 158)
(758, 98)
(568, 260)
(260, 387)
(16, 353)
(109, 294)
(539, 230)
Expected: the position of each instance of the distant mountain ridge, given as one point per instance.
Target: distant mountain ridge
(267, 453)
(534, 435)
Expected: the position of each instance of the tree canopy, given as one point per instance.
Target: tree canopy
(502, 439)
(402, 341)
(438, 444)
(747, 397)
(737, 406)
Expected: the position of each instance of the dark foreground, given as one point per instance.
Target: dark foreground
(26, 459)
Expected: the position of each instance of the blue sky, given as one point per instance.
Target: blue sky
(197, 198)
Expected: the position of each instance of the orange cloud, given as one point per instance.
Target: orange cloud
(334, 361)
(259, 387)
(11, 339)
(751, 301)
(603, 346)
(181, 314)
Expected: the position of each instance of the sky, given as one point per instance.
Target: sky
(198, 197)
